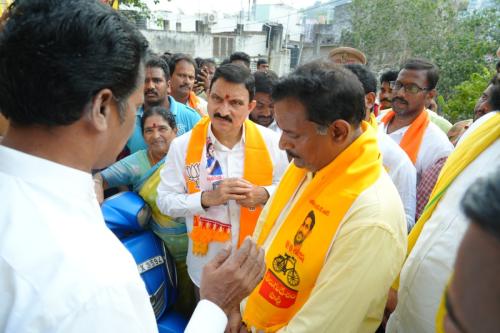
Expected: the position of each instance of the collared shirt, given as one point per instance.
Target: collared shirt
(402, 172)
(429, 265)
(274, 126)
(173, 199)
(435, 145)
(364, 259)
(185, 118)
(61, 268)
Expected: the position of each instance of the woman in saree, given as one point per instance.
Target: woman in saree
(141, 170)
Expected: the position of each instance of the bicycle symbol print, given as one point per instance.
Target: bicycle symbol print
(286, 265)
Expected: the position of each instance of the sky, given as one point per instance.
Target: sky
(221, 6)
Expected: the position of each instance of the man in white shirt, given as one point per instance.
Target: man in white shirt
(72, 110)
(205, 174)
(430, 262)
(71, 104)
(396, 162)
(263, 113)
(472, 305)
(408, 123)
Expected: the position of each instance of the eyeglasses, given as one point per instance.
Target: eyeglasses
(411, 88)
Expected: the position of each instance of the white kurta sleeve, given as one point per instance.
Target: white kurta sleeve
(207, 318)
(173, 199)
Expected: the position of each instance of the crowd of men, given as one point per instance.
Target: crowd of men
(325, 200)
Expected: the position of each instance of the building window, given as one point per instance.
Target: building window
(223, 46)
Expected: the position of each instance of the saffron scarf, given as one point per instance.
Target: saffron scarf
(298, 252)
(412, 139)
(193, 103)
(257, 169)
(466, 152)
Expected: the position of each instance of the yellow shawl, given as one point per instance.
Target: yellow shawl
(297, 253)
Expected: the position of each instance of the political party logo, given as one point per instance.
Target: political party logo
(279, 285)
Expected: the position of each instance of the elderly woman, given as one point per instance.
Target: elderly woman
(141, 170)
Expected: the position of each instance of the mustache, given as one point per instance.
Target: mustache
(187, 85)
(226, 118)
(290, 154)
(150, 91)
(400, 100)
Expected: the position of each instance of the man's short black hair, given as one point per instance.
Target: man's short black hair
(159, 111)
(494, 98)
(155, 61)
(328, 92)
(179, 57)
(55, 55)
(261, 62)
(424, 65)
(264, 81)
(481, 203)
(208, 61)
(365, 76)
(390, 75)
(240, 56)
(236, 74)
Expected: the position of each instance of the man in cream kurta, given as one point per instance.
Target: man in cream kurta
(227, 163)
(430, 263)
(368, 249)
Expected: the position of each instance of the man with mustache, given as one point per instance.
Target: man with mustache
(263, 114)
(183, 76)
(156, 93)
(357, 243)
(408, 122)
(221, 206)
(385, 93)
(395, 161)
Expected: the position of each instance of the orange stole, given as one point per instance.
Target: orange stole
(193, 103)
(292, 270)
(414, 135)
(257, 169)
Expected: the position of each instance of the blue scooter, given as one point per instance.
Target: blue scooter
(127, 215)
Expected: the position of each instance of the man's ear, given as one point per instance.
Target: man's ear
(100, 109)
(169, 87)
(370, 100)
(252, 105)
(339, 130)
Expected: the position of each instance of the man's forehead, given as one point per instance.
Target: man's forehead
(412, 75)
(154, 72)
(229, 90)
(185, 66)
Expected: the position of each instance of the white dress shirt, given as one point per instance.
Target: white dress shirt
(173, 199)
(274, 126)
(403, 174)
(435, 145)
(428, 267)
(207, 318)
(61, 268)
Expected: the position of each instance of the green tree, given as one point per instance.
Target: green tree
(391, 31)
(460, 105)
